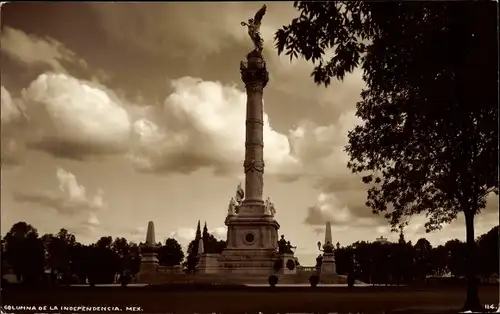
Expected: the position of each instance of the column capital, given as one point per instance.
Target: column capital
(254, 73)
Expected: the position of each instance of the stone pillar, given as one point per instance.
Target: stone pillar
(150, 234)
(149, 260)
(328, 265)
(328, 273)
(255, 77)
(328, 245)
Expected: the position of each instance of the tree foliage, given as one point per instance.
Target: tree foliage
(171, 254)
(403, 263)
(24, 251)
(428, 142)
(210, 245)
(105, 260)
(488, 252)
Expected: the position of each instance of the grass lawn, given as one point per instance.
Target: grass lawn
(253, 299)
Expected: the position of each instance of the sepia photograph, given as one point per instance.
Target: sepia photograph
(249, 157)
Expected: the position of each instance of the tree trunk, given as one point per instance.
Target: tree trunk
(472, 301)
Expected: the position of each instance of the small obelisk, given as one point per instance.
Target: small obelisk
(201, 249)
(149, 261)
(150, 234)
(328, 235)
(328, 270)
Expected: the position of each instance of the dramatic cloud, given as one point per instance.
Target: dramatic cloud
(31, 49)
(200, 125)
(342, 196)
(174, 28)
(186, 235)
(11, 110)
(13, 114)
(330, 208)
(360, 218)
(183, 235)
(321, 148)
(204, 126)
(75, 119)
(12, 152)
(70, 199)
(88, 227)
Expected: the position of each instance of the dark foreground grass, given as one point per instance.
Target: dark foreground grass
(252, 299)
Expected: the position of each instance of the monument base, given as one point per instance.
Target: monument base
(148, 268)
(248, 262)
(328, 264)
(328, 273)
(208, 264)
(289, 264)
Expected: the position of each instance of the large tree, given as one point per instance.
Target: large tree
(103, 261)
(429, 133)
(58, 249)
(24, 251)
(456, 253)
(192, 251)
(422, 266)
(488, 252)
(171, 253)
(439, 261)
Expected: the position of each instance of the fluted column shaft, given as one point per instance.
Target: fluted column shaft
(255, 77)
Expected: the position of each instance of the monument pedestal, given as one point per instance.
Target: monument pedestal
(148, 268)
(328, 265)
(149, 261)
(328, 273)
(289, 264)
(248, 262)
(208, 264)
(251, 244)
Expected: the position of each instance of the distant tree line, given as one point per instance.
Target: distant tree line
(59, 258)
(405, 263)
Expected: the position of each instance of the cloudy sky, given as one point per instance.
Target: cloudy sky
(116, 114)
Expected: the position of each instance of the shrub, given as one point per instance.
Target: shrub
(290, 264)
(273, 280)
(350, 280)
(314, 280)
(278, 265)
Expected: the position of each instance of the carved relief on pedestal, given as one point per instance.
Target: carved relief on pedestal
(233, 230)
(261, 238)
(270, 237)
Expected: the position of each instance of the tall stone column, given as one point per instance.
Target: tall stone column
(255, 77)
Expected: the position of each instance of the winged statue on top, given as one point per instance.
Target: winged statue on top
(254, 28)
